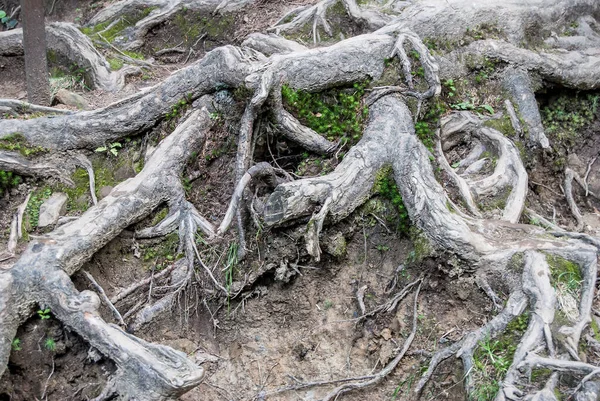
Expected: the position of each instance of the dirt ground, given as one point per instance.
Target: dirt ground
(274, 334)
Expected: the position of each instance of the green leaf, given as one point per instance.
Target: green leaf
(101, 149)
(115, 145)
(114, 151)
(2, 14)
(488, 108)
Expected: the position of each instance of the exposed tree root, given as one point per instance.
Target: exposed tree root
(146, 371)
(488, 244)
(67, 42)
(18, 107)
(162, 11)
(317, 16)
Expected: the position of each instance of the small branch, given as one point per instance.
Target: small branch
(344, 388)
(569, 176)
(85, 162)
(48, 380)
(102, 294)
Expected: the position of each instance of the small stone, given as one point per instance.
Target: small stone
(335, 245)
(52, 209)
(386, 334)
(184, 345)
(105, 191)
(71, 99)
(124, 172)
(386, 352)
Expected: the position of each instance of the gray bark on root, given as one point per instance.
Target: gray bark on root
(486, 243)
(68, 43)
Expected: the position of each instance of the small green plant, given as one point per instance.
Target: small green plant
(50, 344)
(5, 20)
(17, 142)
(16, 344)
(450, 87)
(180, 107)
(327, 304)
(336, 114)
(385, 186)
(565, 115)
(44, 313)
(33, 207)
(8, 179)
(469, 105)
(383, 248)
(492, 359)
(112, 148)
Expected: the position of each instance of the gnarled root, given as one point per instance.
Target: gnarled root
(317, 14)
(145, 371)
(70, 44)
(162, 11)
(508, 171)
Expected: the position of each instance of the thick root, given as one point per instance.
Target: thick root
(69, 43)
(145, 371)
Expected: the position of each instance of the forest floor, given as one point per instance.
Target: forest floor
(275, 333)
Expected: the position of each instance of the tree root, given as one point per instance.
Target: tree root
(18, 107)
(317, 15)
(360, 382)
(162, 11)
(488, 246)
(69, 43)
(11, 161)
(509, 170)
(154, 371)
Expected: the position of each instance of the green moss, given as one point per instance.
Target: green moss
(191, 25)
(335, 114)
(17, 142)
(426, 127)
(595, 329)
(565, 272)
(421, 246)
(115, 64)
(502, 125)
(133, 55)
(116, 30)
(162, 254)
(566, 115)
(77, 201)
(160, 216)
(516, 261)
(540, 376)
(493, 357)
(385, 186)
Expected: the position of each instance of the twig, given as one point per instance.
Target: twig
(547, 187)
(352, 383)
(102, 294)
(587, 174)
(127, 58)
(48, 380)
(132, 288)
(217, 284)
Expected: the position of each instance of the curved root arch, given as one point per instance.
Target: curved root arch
(486, 241)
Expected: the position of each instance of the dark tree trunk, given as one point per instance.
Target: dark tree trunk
(34, 41)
